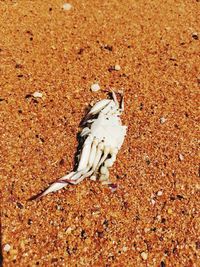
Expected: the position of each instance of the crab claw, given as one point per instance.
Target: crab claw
(95, 110)
(121, 104)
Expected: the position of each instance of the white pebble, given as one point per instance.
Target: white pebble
(37, 94)
(124, 249)
(117, 67)
(95, 87)
(144, 255)
(181, 157)
(7, 247)
(162, 120)
(153, 202)
(159, 193)
(158, 218)
(67, 6)
(69, 230)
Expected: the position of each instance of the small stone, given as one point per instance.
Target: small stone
(37, 94)
(181, 157)
(162, 120)
(153, 202)
(124, 249)
(158, 217)
(69, 230)
(117, 67)
(95, 87)
(159, 193)
(195, 36)
(113, 187)
(7, 247)
(144, 255)
(67, 6)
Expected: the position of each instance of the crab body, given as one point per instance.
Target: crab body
(109, 130)
(103, 136)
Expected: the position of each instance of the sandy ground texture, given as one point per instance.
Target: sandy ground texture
(152, 219)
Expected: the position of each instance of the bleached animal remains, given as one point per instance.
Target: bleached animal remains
(104, 135)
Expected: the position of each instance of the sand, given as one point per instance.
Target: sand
(152, 219)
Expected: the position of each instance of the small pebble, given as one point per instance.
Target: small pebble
(113, 187)
(144, 255)
(195, 36)
(153, 202)
(7, 247)
(117, 67)
(95, 87)
(58, 207)
(124, 249)
(69, 230)
(181, 157)
(37, 94)
(67, 6)
(162, 120)
(159, 193)
(158, 217)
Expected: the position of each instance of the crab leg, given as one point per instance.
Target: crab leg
(85, 153)
(57, 185)
(92, 156)
(74, 177)
(85, 131)
(96, 109)
(94, 165)
(115, 99)
(122, 104)
(99, 106)
(95, 156)
(107, 164)
(60, 183)
(105, 155)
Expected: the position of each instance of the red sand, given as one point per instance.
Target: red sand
(61, 53)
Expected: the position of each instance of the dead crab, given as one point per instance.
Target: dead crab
(104, 134)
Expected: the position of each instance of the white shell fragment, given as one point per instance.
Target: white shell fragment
(95, 87)
(162, 120)
(37, 95)
(102, 137)
(144, 255)
(67, 6)
(7, 247)
(117, 67)
(181, 157)
(159, 193)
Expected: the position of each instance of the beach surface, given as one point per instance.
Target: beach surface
(50, 55)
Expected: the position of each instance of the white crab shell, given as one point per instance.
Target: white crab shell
(109, 129)
(103, 137)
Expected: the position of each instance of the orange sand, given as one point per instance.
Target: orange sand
(60, 54)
